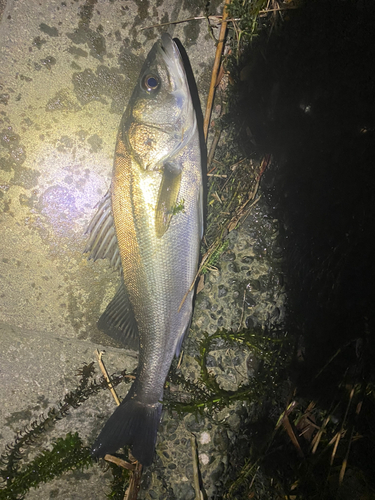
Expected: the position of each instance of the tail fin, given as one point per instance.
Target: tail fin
(132, 423)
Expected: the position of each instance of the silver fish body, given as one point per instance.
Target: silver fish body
(155, 206)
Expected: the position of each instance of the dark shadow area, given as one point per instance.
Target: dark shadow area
(310, 102)
(306, 95)
(198, 112)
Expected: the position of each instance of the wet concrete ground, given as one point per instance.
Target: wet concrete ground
(67, 70)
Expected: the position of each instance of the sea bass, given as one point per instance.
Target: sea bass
(150, 225)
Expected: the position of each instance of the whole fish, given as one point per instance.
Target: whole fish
(150, 225)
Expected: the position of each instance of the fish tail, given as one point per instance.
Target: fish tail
(132, 423)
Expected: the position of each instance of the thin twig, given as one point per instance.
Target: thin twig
(134, 483)
(342, 348)
(242, 214)
(316, 440)
(213, 149)
(341, 432)
(252, 481)
(243, 310)
(217, 197)
(180, 359)
(267, 11)
(289, 429)
(103, 369)
(218, 19)
(195, 468)
(215, 69)
(119, 462)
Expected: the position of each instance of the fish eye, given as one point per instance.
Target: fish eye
(150, 83)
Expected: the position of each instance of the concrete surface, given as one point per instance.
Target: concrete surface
(67, 69)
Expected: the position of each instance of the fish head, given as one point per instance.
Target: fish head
(160, 119)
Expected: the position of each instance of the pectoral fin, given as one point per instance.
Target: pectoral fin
(167, 198)
(102, 242)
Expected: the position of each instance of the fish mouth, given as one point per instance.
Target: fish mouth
(172, 58)
(171, 55)
(168, 45)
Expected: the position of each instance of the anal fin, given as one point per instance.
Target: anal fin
(118, 320)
